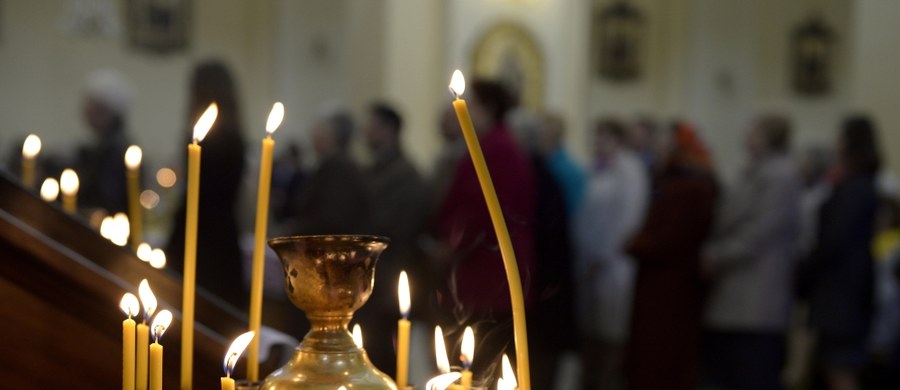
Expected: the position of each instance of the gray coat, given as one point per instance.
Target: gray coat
(752, 250)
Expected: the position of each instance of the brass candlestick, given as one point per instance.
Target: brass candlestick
(329, 278)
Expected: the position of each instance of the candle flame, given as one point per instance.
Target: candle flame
(158, 258)
(122, 229)
(442, 382)
(205, 122)
(107, 227)
(468, 347)
(275, 117)
(234, 352)
(147, 299)
(440, 351)
(508, 375)
(357, 336)
(133, 156)
(457, 84)
(160, 323)
(31, 147)
(403, 294)
(129, 305)
(50, 190)
(143, 251)
(503, 384)
(68, 182)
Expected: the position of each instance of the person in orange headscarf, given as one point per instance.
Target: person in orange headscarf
(663, 350)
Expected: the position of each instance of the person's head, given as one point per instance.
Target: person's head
(552, 130)
(107, 97)
(609, 135)
(489, 104)
(771, 134)
(212, 82)
(642, 135)
(526, 127)
(382, 129)
(685, 149)
(332, 133)
(858, 145)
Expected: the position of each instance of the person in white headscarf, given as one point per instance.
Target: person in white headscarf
(108, 95)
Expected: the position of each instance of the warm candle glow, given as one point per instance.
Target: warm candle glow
(31, 147)
(133, 157)
(235, 351)
(129, 305)
(468, 347)
(508, 375)
(275, 117)
(457, 84)
(68, 182)
(440, 351)
(147, 299)
(160, 323)
(166, 177)
(107, 227)
(50, 190)
(403, 294)
(121, 231)
(158, 258)
(442, 382)
(503, 384)
(144, 251)
(357, 336)
(205, 122)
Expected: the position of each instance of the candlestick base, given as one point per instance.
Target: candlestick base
(329, 278)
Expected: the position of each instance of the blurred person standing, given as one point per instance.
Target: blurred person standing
(663, 351)
(750, 263)
(108, 95)
(568, 174)
(841, 268)
(219, 264)
(613, 209)
(333, 199)
(554, 296)
(474, 286)
(396, 199)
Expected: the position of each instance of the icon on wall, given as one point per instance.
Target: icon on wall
(618, 31)
(508, 53)
(159, 26)
(812, 48)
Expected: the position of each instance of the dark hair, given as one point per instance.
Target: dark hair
(860, 144)
(776, 132)
(387, 115)
(212, 82)
(494, 97)
(613, 127)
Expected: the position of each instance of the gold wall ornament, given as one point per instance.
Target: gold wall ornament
(329, 278)
(508, 53)
(618, 34)
(812, 52)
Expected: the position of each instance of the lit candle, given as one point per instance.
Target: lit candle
(50, 190)
(144, 251)
(468, 353)
(357, 336)
(259, 243)
(442, 382)
(107, 228)
(403, 331)
(130, 306)
(148, 300)
(507, 375)
(133, 157)
(190, 245)
(440, 351)
(121, 229)
(30, 150)
(158, 258)
(68, 184)
(160, 324)
(231, 357)
(457, 87)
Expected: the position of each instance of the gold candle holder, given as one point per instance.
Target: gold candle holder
(329, 278)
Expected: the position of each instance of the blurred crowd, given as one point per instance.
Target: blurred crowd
(642, 270)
